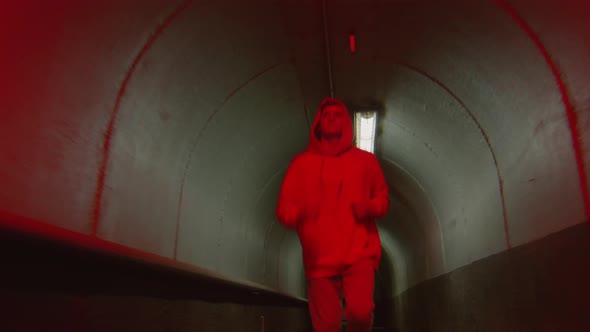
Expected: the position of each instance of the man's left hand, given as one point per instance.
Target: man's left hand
(361, 209)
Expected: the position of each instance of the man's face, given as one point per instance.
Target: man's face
(332, 121)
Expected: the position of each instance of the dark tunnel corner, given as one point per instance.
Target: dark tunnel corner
(385, 313)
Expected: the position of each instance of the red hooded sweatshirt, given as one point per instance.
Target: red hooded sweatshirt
(316, 198)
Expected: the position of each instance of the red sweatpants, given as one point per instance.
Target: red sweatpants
(356, 284)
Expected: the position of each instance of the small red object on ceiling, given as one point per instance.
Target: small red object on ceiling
(352, 42)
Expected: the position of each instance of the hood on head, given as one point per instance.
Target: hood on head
(346, 140)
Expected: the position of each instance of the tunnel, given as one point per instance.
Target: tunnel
(144, 144)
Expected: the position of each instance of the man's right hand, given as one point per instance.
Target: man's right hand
(292, 214)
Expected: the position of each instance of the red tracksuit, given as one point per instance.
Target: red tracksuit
(340, 251)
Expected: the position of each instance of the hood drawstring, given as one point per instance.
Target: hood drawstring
(322, 173)
(340, 181)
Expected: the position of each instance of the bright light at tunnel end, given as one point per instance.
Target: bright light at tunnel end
(365, 124)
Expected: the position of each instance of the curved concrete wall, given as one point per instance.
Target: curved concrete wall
(161, 126)
(167, 126)
(474, 112)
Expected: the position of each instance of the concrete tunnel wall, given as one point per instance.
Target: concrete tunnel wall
(475, 114)
(167, 126)
(156, 130)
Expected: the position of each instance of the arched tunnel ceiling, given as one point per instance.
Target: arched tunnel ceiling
(166, 127)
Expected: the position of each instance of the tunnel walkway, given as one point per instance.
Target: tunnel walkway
(48, 284)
